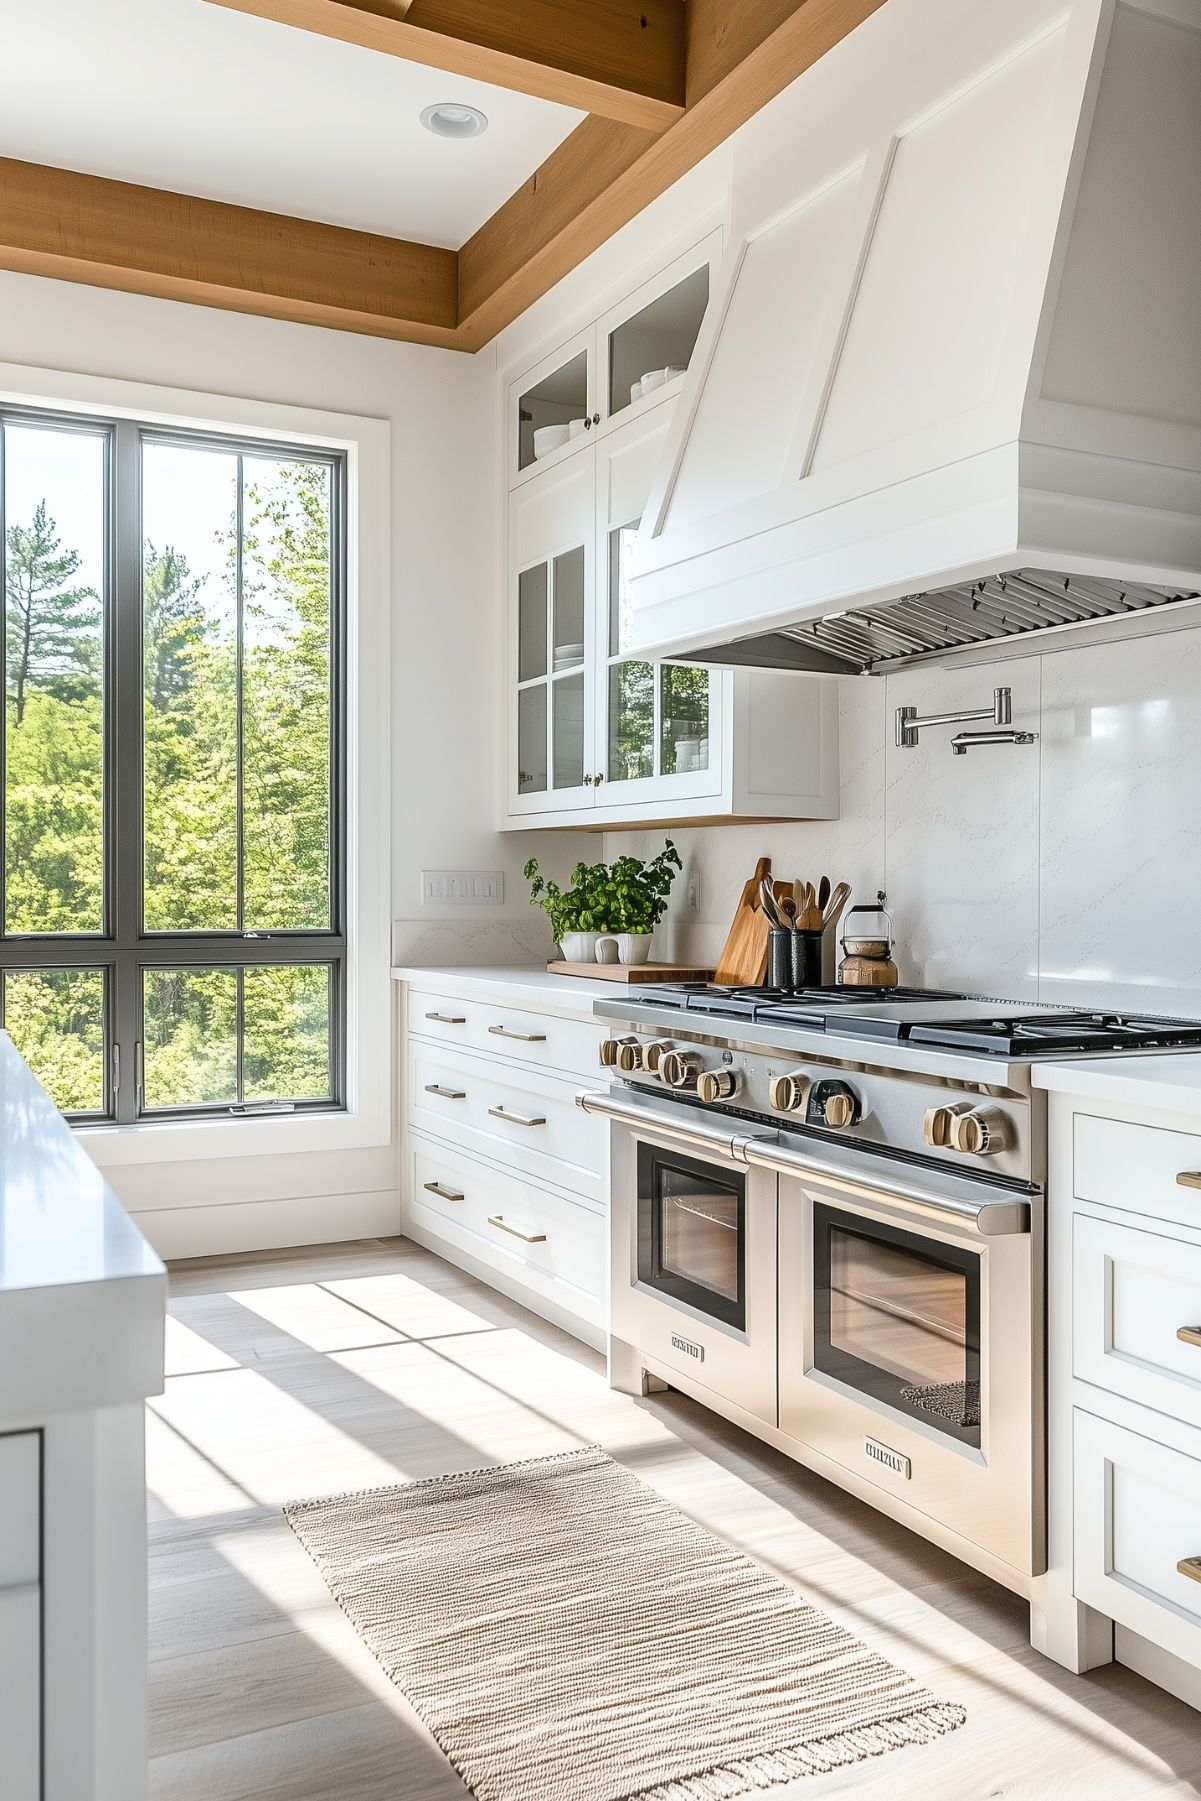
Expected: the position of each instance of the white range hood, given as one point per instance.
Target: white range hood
(949, 385)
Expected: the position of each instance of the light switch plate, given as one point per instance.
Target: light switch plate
(462, 887)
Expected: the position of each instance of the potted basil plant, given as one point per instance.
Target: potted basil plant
(617, 904)
(574, 932)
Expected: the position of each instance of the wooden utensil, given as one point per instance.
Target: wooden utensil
(823, 893)
(743, 960)
(832, 911)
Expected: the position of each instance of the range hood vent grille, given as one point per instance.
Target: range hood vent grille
(867, 639)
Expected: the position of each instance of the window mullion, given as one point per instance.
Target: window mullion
(126, 861)
(238, 695)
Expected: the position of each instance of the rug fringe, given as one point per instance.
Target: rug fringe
(773, 1768)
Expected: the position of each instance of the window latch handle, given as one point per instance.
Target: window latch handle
(263, 1107)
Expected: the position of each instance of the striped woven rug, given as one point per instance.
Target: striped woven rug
(567, 1635)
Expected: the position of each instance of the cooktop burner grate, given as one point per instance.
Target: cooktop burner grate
(1055, 1034)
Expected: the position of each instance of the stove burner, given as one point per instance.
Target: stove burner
(803, 1007)
(1053, 1034)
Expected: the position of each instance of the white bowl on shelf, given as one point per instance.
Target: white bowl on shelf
(635, 390)
(658, 378)
(550, 437)
(577, 427)
(568, 655)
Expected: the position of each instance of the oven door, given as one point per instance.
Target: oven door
(693, 1276)
(911, 1330)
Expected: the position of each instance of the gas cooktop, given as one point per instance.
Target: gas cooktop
(926, 1017)
(803, 1006)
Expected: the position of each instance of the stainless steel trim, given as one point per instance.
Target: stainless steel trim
(516, 1119)
(663, 1123)
(991, 1216)
(502, 1225)
(981, 1210)
(522, 1037)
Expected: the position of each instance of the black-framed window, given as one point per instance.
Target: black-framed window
(172, 926)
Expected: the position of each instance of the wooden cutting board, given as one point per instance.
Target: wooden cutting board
(743, 961)
(632, 972)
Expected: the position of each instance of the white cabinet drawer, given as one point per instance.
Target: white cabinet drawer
(540, 1238)
(571, 1046)
(20, 1693)
(525, 1119)
(20, 1508)
(1133, 1291)
(1137, 1517)
(1142, 1169)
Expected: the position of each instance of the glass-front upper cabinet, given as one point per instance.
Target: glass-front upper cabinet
(660, 735)
(551, 407)
(646, 343)
(632, 358)
(552, 560)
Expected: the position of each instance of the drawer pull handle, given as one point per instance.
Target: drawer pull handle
(515, 1119)
(1189, 1335)
(1189, 1178)
(540, 1038)
(448, 1094)
(1190, 1566)
(502, 1225)
(448, 1019)
(444, 1193)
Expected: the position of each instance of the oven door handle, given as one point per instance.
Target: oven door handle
(1000, 1216)
(694, 1133)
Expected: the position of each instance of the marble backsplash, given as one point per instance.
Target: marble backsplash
(1067, 871)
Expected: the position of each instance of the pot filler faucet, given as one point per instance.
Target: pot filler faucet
(1000, 714)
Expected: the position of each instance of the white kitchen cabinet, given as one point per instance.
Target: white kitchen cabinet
(589, 380)
(501, 1172)
(598, 738)
(20, 1692)
(1124, 1367)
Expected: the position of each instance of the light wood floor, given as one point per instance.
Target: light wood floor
(303, 1373)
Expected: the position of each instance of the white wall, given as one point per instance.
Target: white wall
(446, 657)
(1067, 871)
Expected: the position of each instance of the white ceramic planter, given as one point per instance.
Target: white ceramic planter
(624, 947)
(579, 947)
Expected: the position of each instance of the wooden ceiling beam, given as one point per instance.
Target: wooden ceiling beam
(112, 234)
(739, 57)
(619, 59)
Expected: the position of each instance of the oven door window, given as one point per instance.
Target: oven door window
(692, 1234)
(897, 1317)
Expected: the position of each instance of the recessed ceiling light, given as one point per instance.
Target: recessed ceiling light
(451, 120)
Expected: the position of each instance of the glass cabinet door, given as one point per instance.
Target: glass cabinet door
(656, 714)
(551, 675)
(550, 409)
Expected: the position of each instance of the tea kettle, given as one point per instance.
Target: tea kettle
(867, 941)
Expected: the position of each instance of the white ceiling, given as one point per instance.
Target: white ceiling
(183, 95)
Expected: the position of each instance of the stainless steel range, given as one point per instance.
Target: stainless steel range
(827, 1224)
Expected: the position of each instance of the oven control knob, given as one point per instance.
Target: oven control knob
(717, 1085)
(789, 1093)
(611, 1049)
(679, 1069)
(834, 1105)
(653, 1055)
(938, 1127)
(979, 1133)
(629, 1055)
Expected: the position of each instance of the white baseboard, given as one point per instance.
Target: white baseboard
(1179, 1678)
(222, 1227)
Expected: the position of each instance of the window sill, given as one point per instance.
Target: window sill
(249, 1135)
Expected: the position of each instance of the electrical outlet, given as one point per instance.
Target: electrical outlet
(462, 887)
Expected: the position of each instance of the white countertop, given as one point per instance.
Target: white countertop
(1167, 1082)
(520, 985)
(82, 1295)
